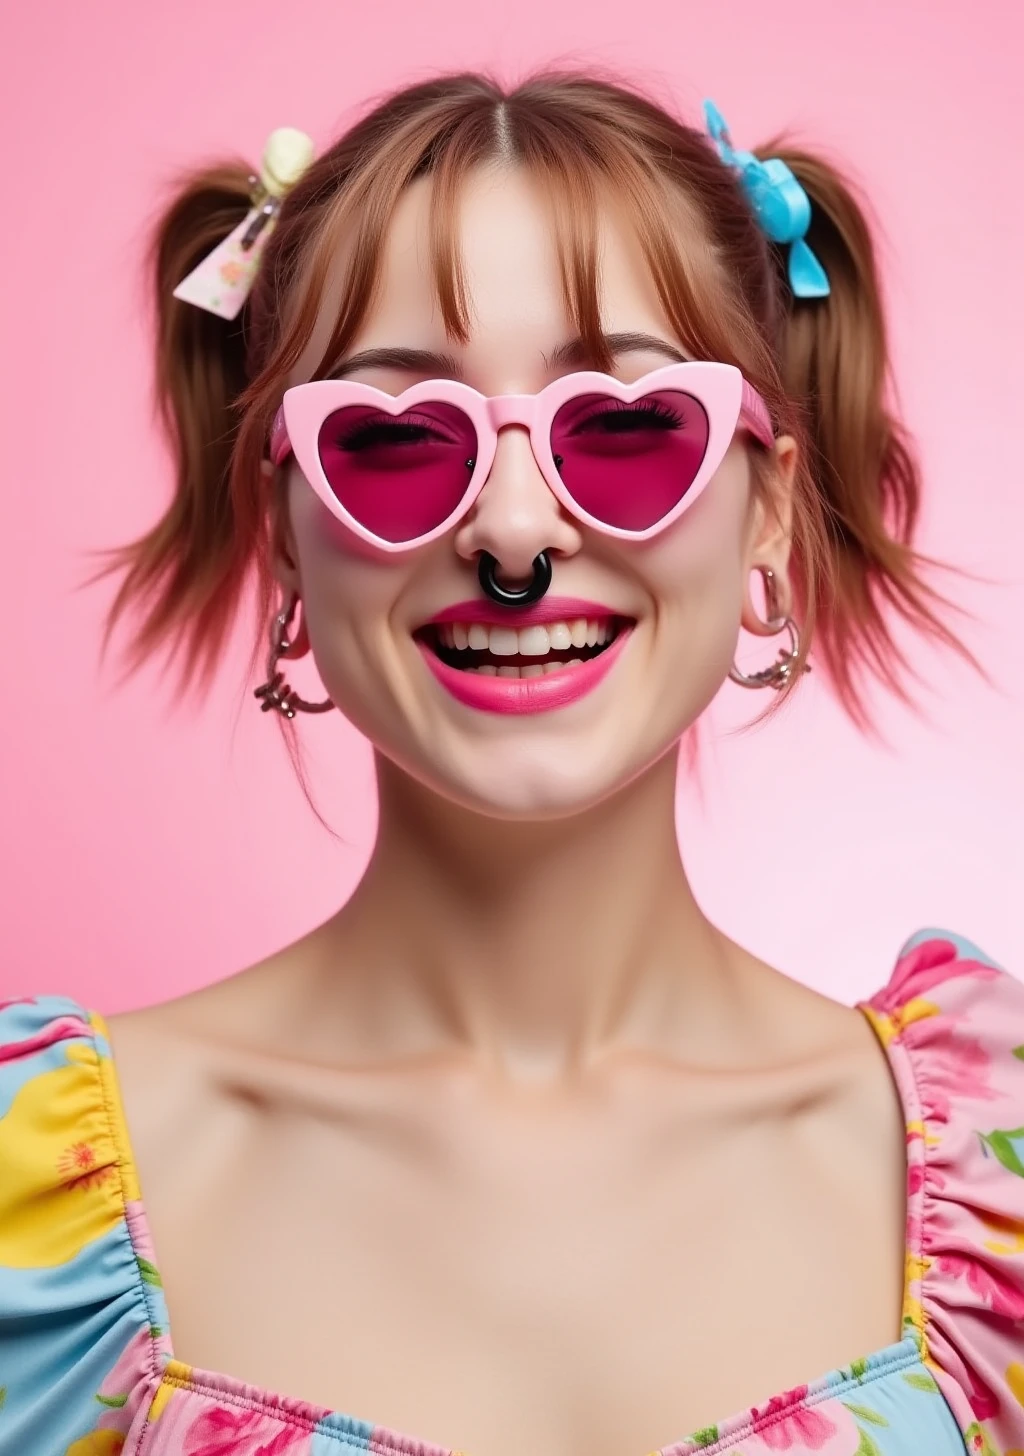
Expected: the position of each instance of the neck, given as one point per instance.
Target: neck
(536, 948)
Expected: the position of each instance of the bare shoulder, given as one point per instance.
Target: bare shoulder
(163, 1073)
(235, 1009)
(172, 1058)
(840, 1079)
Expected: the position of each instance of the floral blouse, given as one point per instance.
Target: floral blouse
(87, 1364)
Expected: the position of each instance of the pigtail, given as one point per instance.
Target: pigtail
(184, 575)
(835, 361)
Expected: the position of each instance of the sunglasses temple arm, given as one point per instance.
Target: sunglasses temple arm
(280, 446)
(755, 417)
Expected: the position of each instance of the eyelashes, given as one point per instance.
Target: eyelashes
(616, 416)
(387, 430)
(363, 431)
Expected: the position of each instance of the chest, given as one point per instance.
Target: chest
(606, 1280)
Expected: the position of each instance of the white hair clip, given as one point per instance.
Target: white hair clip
(220, 283)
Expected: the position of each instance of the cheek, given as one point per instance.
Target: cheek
(697, 567)
(695, 575)
(348, 588)
(349, 600)
(321, 537)
(335, 563)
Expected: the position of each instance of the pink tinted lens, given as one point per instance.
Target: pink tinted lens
(629, 464)
(400, 476)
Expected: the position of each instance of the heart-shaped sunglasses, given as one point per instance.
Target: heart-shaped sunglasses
(625, 459)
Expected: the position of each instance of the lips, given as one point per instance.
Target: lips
(525, 660)
(525, 695)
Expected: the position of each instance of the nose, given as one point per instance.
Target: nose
(516, 515)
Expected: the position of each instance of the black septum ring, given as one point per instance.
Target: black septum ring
(524, 595)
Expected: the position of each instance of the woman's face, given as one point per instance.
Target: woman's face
(683, 591)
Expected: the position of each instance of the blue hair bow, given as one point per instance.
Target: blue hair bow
(779, 203)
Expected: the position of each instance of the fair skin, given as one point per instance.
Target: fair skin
(517, 1146)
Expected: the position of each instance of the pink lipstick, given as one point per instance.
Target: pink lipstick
(570, 673)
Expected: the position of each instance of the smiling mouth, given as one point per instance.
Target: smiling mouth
(521, 653)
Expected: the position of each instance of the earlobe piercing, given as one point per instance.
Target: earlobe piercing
(778, 674)
(275, 694)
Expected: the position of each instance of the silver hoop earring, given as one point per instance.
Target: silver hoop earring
(778, 673)
(275, 694)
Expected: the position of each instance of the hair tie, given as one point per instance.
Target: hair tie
(779, 202)
(222, 281)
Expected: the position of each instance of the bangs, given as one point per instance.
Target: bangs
(581, 177)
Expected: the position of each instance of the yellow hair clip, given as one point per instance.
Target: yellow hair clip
(221, 282)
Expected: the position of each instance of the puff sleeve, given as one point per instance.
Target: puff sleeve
(78, 1328)
(953, 1026)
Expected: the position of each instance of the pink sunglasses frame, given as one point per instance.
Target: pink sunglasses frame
(727, 398)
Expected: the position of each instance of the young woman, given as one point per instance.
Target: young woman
(517, 1152)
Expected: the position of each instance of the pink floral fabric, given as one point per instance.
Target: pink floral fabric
(86, 1357)
(952, 1021)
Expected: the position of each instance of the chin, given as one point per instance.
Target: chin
(532, 783)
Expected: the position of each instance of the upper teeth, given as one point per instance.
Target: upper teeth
(528, 641)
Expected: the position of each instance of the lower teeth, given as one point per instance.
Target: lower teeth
(532, 669)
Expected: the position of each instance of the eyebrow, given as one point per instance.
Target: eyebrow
(573, 352)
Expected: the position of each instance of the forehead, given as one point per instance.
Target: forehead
(506, 239)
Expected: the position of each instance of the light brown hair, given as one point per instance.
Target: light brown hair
(822, 365)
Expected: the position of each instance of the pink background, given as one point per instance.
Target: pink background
(151, 846)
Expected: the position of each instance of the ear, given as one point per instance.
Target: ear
(284, 557)
(770, 539)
